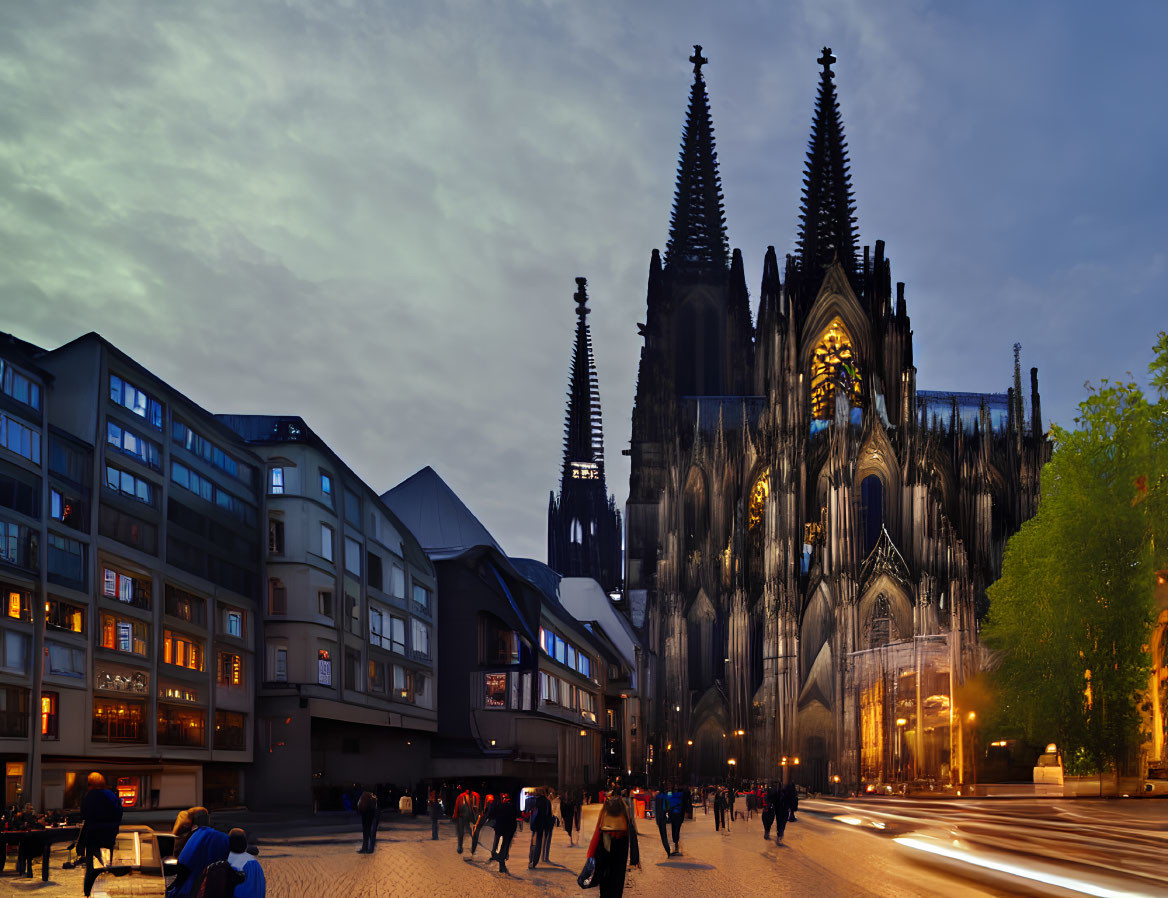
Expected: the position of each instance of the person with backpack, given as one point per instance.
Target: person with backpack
(241, 859)
(505, 816)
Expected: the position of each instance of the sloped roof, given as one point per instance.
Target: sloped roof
(583, 598)
(440, 520)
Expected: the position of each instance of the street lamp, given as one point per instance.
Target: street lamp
(900, 724)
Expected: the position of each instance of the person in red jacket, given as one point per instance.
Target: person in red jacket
(613, 848)
(466, 810)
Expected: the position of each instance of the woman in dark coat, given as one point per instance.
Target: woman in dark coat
(614, 848)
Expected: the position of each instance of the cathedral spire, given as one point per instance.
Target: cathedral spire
(697, 231)
(583, 431)
(827, 220)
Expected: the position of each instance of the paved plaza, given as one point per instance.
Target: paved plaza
(818, 857)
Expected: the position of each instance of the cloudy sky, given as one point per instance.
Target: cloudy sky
(371, 213)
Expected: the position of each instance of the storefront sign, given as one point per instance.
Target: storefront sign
(127, 788)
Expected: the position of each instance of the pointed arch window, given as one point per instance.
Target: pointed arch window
(576, 532)
(758, 499)
(833, 368)
(871, 510)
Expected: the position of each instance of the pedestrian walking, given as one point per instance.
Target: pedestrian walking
(101, 816)
(792, 797)
(480, 821)
(540, 810)
(772, 798)
(731, 797)
(719, 810)
(676, 815)
(434, 806)
(661, 816)
(466, 808)
(370, 811)
(505, 818)
(568, 815)
(613, 849)
(552, 822)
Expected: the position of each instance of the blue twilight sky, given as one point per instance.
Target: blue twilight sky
(371, 213)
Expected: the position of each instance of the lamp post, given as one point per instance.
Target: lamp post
(900, 725)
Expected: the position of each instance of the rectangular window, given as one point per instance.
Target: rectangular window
(352, 670)
(324, 668)
(280, 673)
(326, 542)
(373, 562)
(66, 561)
(210, 492)
(421, 599)
(183, 727)
(377, 677)
(397, 634)
(118, 721)
(208, 451)
(68, 462)
(354, 608)
(352, 509)
(403, 683)
(69, 510)
(571, 662)
(18, 605)
(62, 615)
(140, 403)
(233, 622)
(128, 485)
(50, 726)
(496, 690)
(276, 481)
(275, 536)
(584, 665)
(230, 731)
(377, 628)
(18, 545)
(561, 650)
(121, 634)
(421, 639)
(128, 529)
(352, 556)
(326, 486)
(18, 385)
(181, 650)
(185, 605)
(64, 661)
(277, 597)
(324, 602)
(133, 591)
(230, 669)
(398, 586)
(129, 443)
(21, 492)
(20, 438)
(14, 712)
(13, 652)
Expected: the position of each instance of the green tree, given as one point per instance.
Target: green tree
(1071, 614)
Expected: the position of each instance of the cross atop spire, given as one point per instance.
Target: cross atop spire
(697, 59)
(827, 220)
(697, 232)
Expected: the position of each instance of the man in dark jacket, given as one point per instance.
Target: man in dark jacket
(505, 816)
(677, 803)
(101, 816)
(719, 809)
(540, 809)
(771, 800)
(205, 846)
(661, 816)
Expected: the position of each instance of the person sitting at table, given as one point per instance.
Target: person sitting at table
(29, 848)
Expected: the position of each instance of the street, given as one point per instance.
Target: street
(866, 847)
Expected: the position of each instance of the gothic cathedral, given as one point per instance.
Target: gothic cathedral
(809, 536)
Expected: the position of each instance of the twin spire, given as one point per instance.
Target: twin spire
(827, 219)
(697, 231)
(583, 429)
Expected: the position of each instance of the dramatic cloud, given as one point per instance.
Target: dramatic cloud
(371, 214)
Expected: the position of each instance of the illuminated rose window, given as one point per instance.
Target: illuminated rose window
(758, 498)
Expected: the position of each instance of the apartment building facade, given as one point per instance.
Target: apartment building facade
(131, 590)
(347, 690)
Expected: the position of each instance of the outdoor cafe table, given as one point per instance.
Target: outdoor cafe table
(33, 839)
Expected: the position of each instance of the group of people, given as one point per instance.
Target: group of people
(211, 862)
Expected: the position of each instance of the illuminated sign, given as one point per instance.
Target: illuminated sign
(127, 789)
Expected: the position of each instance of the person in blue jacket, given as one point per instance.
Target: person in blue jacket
(205, 846)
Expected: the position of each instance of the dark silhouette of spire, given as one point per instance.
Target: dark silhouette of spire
(827, 220)
(584, 526)
(583, 429)
(697, 231)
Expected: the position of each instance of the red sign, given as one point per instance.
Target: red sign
(128, 790)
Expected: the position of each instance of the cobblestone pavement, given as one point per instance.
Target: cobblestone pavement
(818, 857)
